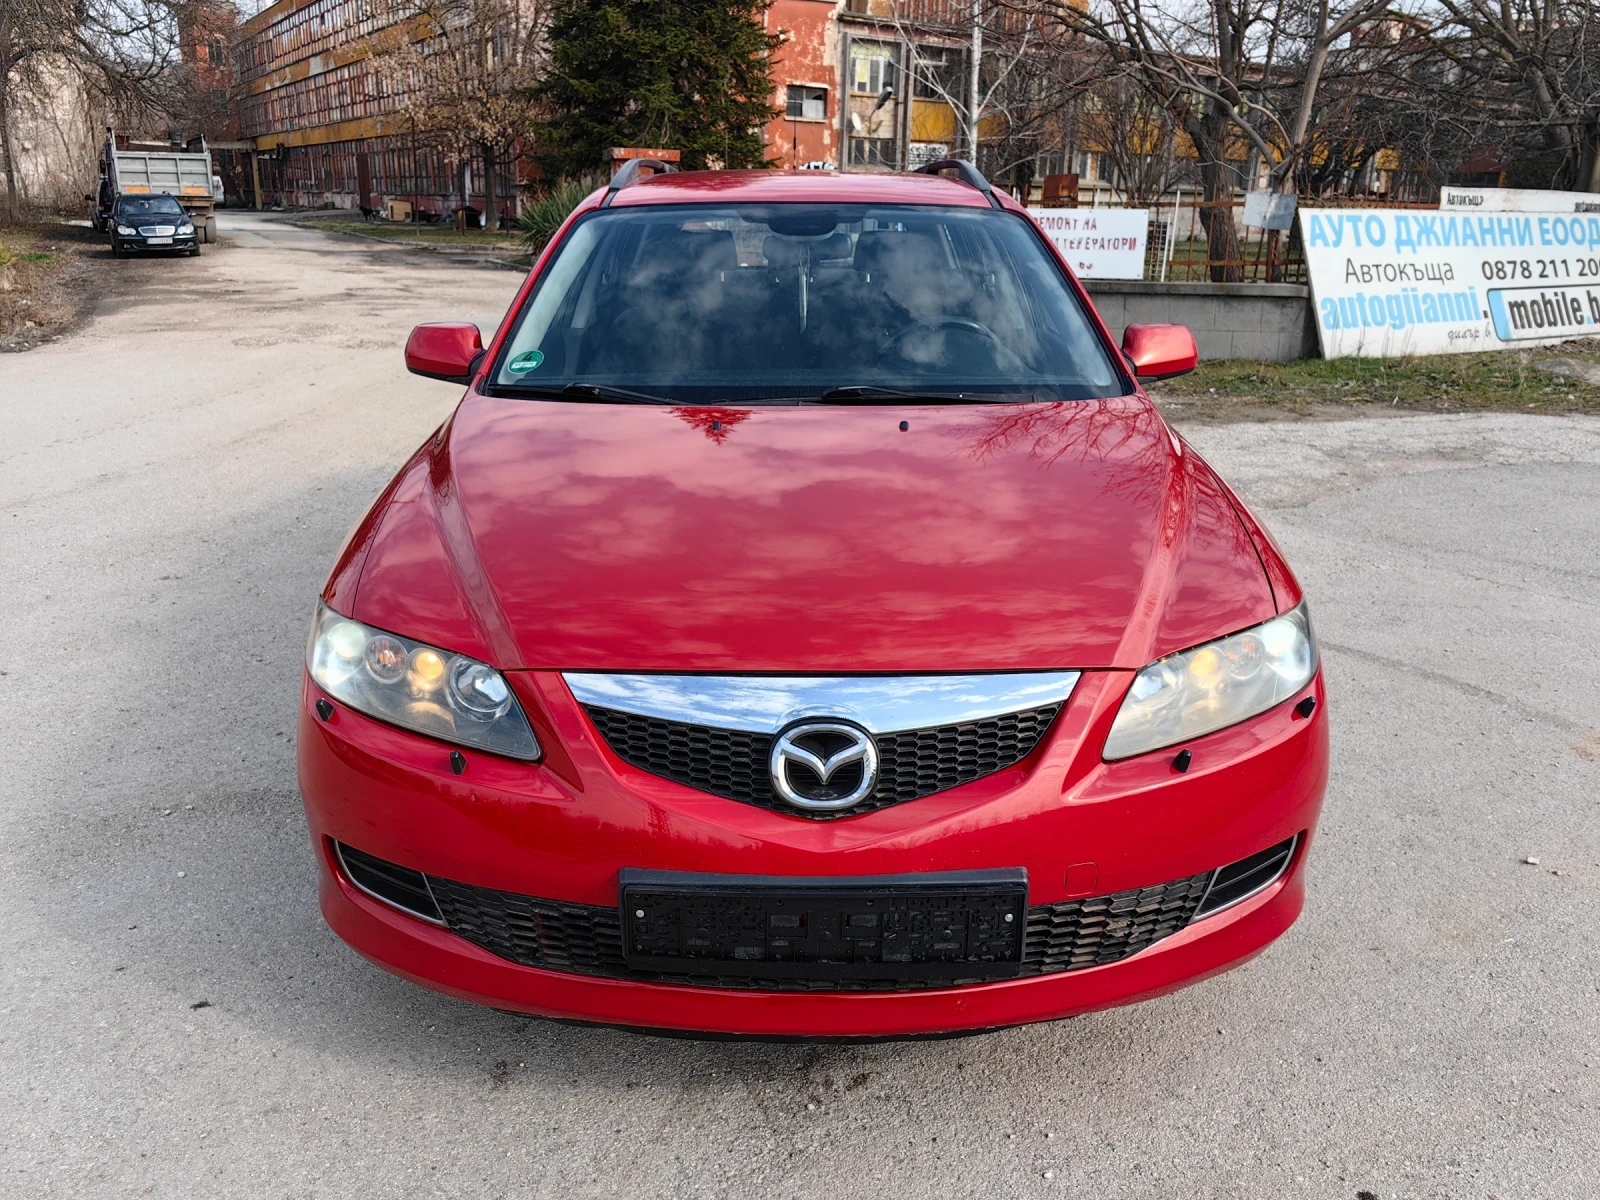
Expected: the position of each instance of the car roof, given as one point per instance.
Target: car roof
(835, 187)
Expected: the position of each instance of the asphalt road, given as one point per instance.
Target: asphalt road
(175, 1020)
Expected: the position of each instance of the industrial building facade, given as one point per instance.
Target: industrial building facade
(329, 128)
(328, 125)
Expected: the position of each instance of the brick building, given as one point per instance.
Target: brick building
(850, 94)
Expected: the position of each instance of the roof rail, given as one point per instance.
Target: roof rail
(630, 174)
(970, 175)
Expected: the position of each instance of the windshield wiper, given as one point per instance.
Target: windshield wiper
(592, 392)
(867, 393)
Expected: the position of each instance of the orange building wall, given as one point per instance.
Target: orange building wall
(810, 55)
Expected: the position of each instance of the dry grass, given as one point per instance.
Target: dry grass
(1556, 379)
(440, 237)
(50, 269)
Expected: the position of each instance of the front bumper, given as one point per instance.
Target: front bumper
(564, 829)
(175, 242)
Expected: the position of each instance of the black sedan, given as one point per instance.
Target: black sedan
(151, 223)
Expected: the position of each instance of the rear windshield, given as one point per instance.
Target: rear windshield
(713, 304)
(149, 206)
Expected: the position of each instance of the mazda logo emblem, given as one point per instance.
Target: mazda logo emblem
(824, 766)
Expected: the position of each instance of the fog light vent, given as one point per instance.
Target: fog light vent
(399, 887)
(1243, 879)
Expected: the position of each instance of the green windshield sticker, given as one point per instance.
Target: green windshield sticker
(526, 362)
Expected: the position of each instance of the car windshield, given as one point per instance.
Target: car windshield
(716, 304)
(149, 206)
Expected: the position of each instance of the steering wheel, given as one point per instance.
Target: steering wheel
(1004, 358)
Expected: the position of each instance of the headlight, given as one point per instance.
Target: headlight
(1215, 685)
(437, 692)
(126, 232)
(185, 227)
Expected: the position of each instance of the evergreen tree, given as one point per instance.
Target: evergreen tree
(687, 75)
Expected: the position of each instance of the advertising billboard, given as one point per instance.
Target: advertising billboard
(1521, 200)
(1099, 243)
(1393, 282)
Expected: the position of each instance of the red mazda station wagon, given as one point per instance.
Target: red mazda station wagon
(805, 625)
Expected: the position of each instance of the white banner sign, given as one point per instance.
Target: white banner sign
(1387, 282)
(1519, 200)
(1099, 243)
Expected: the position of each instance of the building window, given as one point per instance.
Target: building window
(806, 103)
(939, 73)
(214, 52)
(872, 152)
(871, 69)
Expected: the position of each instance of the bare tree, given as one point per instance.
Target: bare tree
(119, 48)
(1006, 71)
(1540, 59)
(1388, 94)
(1133, 135)
(463, 72)
(1230, 74)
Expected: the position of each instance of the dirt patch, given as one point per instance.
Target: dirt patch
(1556, 379)
(55, 281)
(489, 249)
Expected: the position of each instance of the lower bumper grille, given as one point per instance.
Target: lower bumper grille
(586, 939)
(1108, 929)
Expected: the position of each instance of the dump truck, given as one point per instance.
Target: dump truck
(132, 168)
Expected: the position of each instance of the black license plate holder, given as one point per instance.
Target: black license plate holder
(945, 925)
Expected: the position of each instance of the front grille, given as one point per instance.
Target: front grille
(733, 763)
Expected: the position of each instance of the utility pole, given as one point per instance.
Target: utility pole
(972, 81)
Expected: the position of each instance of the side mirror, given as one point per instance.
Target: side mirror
(1160, 351)
(448, 350)
(88, 198)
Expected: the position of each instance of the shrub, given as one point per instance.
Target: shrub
(540, 220)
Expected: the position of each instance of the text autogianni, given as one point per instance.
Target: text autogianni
(1422, 231)
(1410, 306)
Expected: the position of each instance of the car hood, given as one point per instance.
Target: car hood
(815, 539)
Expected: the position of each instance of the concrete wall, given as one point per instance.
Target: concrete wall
(55, 135)
(1266, 322)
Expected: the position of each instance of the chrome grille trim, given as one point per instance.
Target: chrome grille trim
(767, 703)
